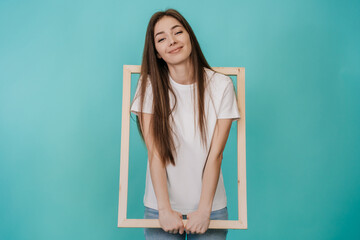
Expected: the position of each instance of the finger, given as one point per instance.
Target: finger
(181, 229)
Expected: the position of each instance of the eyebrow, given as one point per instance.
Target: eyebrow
(171, 29)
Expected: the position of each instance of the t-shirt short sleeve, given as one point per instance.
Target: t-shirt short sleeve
(148, 100)
(228, 105)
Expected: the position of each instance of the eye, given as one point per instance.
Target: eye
(160, 40)
(178, 32)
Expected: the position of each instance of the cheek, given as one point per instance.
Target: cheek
(189, 47)
(156, 48)
(189, 43)
(159, 49)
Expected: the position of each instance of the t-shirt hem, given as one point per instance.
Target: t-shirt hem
(186, 211)
(229, 117)
(136, 112)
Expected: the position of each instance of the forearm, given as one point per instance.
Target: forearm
(213, 165)
(156, 166)
(170, 220)
(209, 183)
(159, 181)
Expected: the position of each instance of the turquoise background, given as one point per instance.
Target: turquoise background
(60, 114)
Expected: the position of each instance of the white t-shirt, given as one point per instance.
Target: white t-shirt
(185, 178)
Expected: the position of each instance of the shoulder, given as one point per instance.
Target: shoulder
(144, 83)
(217, 81)
(147, 82)
(143, 87)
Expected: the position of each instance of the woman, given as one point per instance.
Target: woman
(184, 113)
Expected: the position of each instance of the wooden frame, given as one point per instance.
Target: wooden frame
(241, 223)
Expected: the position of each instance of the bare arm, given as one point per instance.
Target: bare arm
(169, 219)
(200, 219)
(157, 168)
(213, 164)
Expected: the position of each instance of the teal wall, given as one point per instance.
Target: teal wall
(60, 114)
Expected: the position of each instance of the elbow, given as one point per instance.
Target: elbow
(219, 157)
(155, 161)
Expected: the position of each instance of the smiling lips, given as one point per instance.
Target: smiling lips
(175, 50)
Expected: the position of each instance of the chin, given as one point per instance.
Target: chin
(178, 59)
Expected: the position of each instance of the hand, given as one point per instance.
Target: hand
(171, 221)
(198, 222)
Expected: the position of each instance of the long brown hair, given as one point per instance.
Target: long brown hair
(156, 70)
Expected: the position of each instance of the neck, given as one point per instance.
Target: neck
(182, 73)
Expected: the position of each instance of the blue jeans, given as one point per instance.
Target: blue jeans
(210, 234)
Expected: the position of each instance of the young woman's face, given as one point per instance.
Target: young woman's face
(172, 41)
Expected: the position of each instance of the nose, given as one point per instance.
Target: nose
(172, 40)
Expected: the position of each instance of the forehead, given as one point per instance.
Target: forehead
(165, 24)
